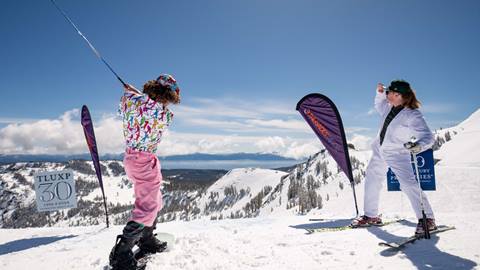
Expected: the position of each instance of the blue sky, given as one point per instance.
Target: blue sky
(242, 67)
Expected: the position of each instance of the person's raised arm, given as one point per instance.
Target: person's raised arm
(381, 103)
(131, 89)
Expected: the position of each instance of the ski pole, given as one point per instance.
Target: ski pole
(424, 217)
(88, 42)
(355, 197)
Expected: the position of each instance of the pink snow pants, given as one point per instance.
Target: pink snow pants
(143, 169)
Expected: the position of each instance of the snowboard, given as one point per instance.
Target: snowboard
(400, 244)
(143, 258)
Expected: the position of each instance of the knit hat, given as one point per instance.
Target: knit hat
(399, 86)
(169, 82)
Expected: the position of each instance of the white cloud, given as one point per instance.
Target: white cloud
(233, 108)
(270, 143)
(239, 116)
(186, 143)
(361, 142)
(219, 124)
(264, 126)
(288, 147)
(356, 129)
(293, 125)
(109, 134)
(216, 110)
(298, 150)
(64, 135)
(175, 143)
(59, 136)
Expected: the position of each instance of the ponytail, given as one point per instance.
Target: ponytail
(410, 100)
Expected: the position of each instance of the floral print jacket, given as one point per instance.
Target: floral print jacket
(144, 121)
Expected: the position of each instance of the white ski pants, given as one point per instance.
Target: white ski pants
(376, 175)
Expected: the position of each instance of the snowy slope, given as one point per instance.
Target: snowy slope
(19, 186)
(464, 149)
(314, 185)
(234, 192)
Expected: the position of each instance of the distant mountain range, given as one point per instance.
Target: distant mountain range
(234, 156)
(191, 157)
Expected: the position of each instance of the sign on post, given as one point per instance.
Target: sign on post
(55, 190)
(425, 169)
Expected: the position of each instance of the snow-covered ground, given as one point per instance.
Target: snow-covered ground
(259, 243)
(279, 241)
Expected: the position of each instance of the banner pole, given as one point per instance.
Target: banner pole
(355, 197)
(87, 124)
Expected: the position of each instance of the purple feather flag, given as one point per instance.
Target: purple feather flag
(92, 146)
(323, 117)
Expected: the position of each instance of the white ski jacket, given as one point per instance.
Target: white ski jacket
(407, 123)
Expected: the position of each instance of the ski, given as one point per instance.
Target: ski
(349, 227)
(400, 244)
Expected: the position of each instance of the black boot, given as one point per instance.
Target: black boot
(121, 256)
(149, 243)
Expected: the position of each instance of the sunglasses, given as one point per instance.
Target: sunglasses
(390, 91)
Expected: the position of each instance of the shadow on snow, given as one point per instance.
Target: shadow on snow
(324, 224)
(424, 254)
(24, 244)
